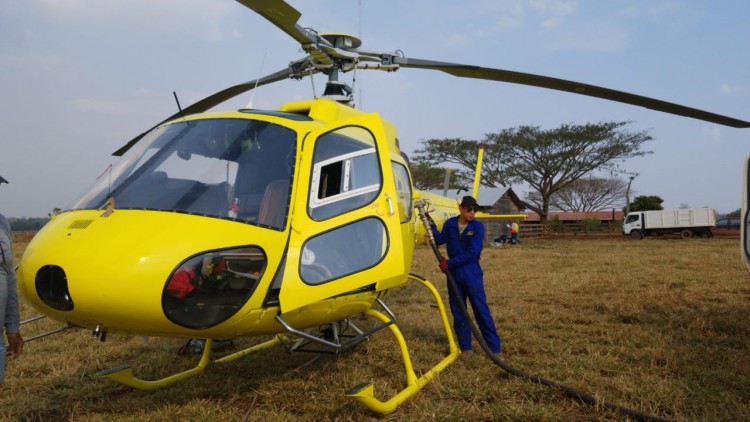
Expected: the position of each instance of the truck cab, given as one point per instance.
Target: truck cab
(633, 225)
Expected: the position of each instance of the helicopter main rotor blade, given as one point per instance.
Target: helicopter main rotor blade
(213, 100)
(477, 72)
(285, 17)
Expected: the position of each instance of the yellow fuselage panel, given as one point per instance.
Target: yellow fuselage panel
(329, 111)
(440, 208)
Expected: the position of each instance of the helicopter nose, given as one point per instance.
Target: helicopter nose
(52, 287)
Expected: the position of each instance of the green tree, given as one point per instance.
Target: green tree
(428, 177)
(547, 160)
(646, 203)
(735, 213)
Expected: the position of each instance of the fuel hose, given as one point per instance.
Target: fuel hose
(497, 360)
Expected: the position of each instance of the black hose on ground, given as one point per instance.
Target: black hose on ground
(574, 394)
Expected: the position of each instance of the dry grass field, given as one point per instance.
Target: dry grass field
(661, 326)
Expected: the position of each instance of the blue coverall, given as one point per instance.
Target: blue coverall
(464, 249)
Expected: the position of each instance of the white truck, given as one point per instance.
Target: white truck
(686, 222)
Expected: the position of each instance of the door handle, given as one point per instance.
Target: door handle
(391, 210)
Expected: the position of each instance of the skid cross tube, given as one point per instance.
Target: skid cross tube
(348, 343)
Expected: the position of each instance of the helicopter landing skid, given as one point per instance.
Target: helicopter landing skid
(124, 374)
(365, 393)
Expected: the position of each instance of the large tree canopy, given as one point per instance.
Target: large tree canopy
(547, 160)
(647, 203)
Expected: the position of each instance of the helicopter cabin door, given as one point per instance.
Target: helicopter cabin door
(346, 224)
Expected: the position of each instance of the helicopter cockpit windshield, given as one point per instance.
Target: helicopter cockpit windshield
(225, 168)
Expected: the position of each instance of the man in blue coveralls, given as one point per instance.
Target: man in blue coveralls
(464, 237)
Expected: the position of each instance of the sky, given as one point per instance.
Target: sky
(80, 78)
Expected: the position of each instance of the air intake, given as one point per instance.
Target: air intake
(52, 287)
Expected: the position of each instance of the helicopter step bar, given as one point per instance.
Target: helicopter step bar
(363, 393)
(44, 334)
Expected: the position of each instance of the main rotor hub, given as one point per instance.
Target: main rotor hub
(341, 40)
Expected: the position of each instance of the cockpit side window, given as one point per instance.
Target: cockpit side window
(403, 191)
(346, 174)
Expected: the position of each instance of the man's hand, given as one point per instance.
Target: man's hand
(15, 344)
(443, 265)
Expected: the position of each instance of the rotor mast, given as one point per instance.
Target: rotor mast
(336, 89)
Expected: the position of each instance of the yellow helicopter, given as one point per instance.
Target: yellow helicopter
(283, 223)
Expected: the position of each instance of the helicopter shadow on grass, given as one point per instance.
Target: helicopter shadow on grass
(264, 379)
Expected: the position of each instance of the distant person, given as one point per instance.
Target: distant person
(464, 236)
(500, 240)
(9, 316)
(514, 234)
(506, 233)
